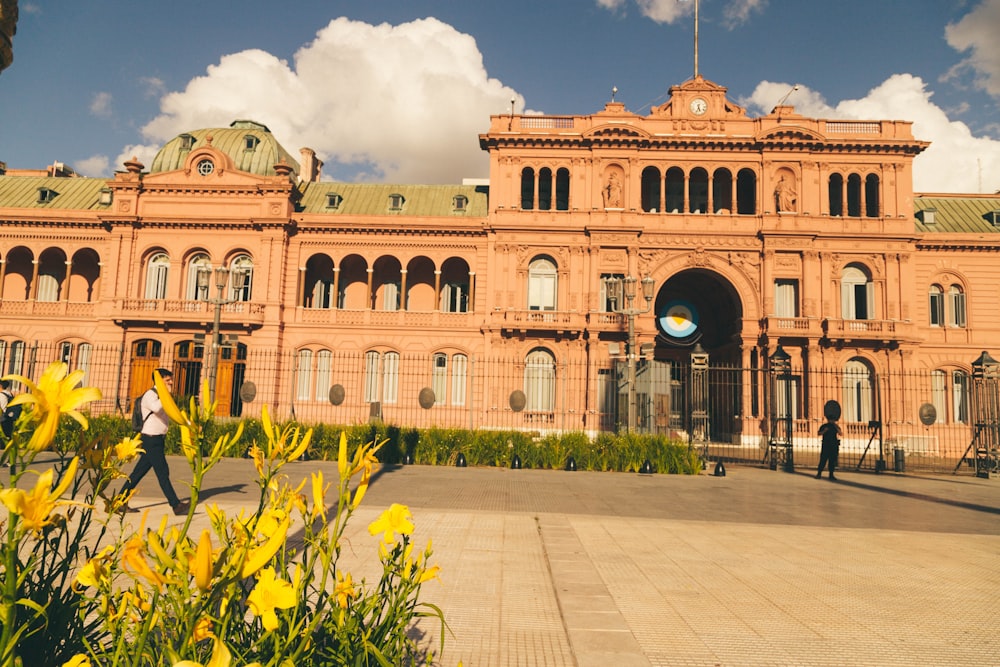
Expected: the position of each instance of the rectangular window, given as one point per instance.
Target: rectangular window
(937, 308)
(939, 396)
(960, 396)
(542, 292)
(439, 378)
(459, 362)
(786, 298)
(323, 363)
(371, 376)
(390, 377)
(390, 296)
(303, 371)
(957, 307)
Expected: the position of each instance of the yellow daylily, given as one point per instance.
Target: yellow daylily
(134, 561)
(203, 629)
(167, 400)
(203, 567)
(55, 394)
(344, 590)
(342, 456)
(35, 507)
(96, 571)
(261, 556)
(319, 495)
(129, 448)
(396, 519)
(269, 594)
(78, 660)
(221, 657)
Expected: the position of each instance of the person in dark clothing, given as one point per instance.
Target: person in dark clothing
(830, 449)
(153, 434)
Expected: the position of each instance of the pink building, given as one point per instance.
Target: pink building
(506, 305)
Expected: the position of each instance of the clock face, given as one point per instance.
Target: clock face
(698, 106)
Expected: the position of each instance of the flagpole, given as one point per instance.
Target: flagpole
(696, 39)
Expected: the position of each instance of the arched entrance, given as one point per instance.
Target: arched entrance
(692, 388)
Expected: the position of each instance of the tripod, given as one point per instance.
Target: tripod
(876, 428)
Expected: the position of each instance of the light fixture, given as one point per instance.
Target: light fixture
(460, 461)
(571, 464)
(515, 463)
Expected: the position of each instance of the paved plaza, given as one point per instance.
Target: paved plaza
(760, 567)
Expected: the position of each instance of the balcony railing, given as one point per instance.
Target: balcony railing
(398, 318)
(188, 310)
(559, 320)
(868, 329)
(792, 326)
(71, 309)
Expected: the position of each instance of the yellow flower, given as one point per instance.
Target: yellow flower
(78, 660)
(203, 561)
(342, 456)
(35, 507)
(319, 495)
(128, 448)
(428, 574)
(221, 657)
(203, 629)
(95, 571)
(259, 557)
(269, 594)
(167, 400)
(396, 519)
(55, 394)
(134, 560)
(345, 589)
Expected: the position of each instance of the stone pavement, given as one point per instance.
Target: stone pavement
(759, 567)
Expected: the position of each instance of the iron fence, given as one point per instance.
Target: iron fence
(904, 420)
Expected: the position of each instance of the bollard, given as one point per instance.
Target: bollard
(899, 459)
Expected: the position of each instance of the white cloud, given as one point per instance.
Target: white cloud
(95, 166)
(739, 11)
(956, 161)
(100, 105)
(152, 86)
(144, 153)
(669, 11)
(404, 103)
(977, 33)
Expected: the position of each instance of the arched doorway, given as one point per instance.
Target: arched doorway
(144, 359)
(692, 389)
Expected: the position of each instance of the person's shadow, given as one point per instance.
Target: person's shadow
(205, 494)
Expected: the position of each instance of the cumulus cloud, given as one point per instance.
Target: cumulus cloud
(96, 165)
(976, 33)
(152, 86)
(955, 162)
(100, 105)
(401, 103)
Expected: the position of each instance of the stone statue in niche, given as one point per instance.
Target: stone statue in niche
(612, 192)
(785, 196)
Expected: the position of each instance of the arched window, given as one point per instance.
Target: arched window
(950, 396)
(459, 366)
(859, 393)
(542, 283)
(854, 196)
(674, 190)
(319, 282)
(527, 188)
(871, 196)
(836, 192)
(857, 294)
(746, 192)
(156, 276)
(544, 189)
(722, 191)
(698, 191)
(192, 292)
(439, 377)
(241, 263)
(540, 381)
(562, 189)
(956, 301)
(12, 357)
(650, 187)
(935, 303)
(381, 376)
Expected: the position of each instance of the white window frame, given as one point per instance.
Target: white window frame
(935, 302)
(786, 297)
(303, 372)
(956, 311)
(857, 293)
(157, 273)
(459, 372)
(540, 381)
(543, 284)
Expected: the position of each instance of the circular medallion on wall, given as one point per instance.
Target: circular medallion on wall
(426, 398)
(337, 394)
(679, 320)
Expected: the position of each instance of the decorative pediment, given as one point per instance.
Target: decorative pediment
(616, 131)
(790, 133)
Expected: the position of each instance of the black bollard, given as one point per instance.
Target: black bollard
(460, 462)
(571, 464)
(515, 463)
(720, 470)
(647, 468)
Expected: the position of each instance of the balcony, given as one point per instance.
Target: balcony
(49, 309)
(869, 330)
(408, 319)
(244, 313)
(560, 321)
(792, 327)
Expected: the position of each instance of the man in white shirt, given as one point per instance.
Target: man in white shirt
(154, 430)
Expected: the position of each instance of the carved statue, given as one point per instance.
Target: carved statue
(612, 192)
(785, 196)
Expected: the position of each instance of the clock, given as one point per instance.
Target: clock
(698, 106)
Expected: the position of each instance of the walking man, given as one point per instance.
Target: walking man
(830, 448)
(153, 434)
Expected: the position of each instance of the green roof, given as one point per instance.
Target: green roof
(69, 193)
(374, 199)
(958, 214)
(232, 141)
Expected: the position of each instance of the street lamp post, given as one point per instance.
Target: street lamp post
(617, 287)
(222, 276)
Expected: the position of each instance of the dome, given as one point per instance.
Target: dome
(251, 146)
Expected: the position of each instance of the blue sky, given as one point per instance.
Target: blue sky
(398, 90)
